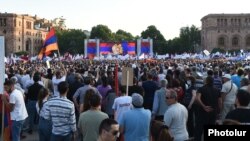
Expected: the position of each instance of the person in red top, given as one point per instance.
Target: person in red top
(7, 121)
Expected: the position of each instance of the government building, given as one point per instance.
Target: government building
(25, 33)
(225, 31)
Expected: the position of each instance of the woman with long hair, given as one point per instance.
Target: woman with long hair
(88, 95)
(159, 131)
(44, 125)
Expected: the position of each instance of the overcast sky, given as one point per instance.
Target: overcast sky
(133, 16)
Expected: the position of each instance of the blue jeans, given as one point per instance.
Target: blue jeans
(61, 138)
(16, 129)
(44, 129)
(31, 108)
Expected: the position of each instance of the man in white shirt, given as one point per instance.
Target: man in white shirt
(59, 77)
(121, 105)
(229, 91)
(176, 117)
(17, 107)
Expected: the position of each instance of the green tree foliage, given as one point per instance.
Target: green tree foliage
(174, 46)
(190, 38)
(71, 41)
(218, 50)
(123, 35)
(20, 53)
(101, 32)
(159, 42)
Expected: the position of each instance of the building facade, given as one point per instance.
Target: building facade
(23, 33)
(225, 31)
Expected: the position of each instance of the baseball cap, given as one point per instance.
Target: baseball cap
(228, 76)
(137, 100)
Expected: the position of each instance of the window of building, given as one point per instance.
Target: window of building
(218, 22)
(19, 39)
(235, 41)
(235, 22)
(19, 23)
(1, 22)
(19, 48)
(27, 45)
(248, 41)
(4, 22)
(221, 41)
(14, 22)
(28, 25)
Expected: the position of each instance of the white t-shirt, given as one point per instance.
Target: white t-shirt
(19, 112)
(24, 79)
(230, 94)
(161, 76)
(55, 82)
(121, 105)
(175, 118)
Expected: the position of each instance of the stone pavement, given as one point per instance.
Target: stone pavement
(31, 137)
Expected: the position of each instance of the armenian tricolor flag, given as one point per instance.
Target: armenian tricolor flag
(128, 48)
(50, 44)
(91, 49)
(145, 47)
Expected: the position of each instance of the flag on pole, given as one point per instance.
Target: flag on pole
(116, 80)
(50, 44)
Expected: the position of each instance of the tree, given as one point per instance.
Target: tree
(190, 38)
(102, 32)
(159, 42)
(218, 50)
(123, 35)
(174, 46)
(71, 41)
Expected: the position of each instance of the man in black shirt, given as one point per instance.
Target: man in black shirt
(32, 97)
(209, 104)
(242, 112)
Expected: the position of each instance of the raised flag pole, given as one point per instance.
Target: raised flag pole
(59, 55)
(116, 79)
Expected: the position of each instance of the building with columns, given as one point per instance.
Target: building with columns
(225, 31)
(23, 32)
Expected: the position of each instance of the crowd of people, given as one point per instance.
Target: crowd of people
(170, 100)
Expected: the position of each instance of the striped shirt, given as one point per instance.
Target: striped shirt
(61, 112)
